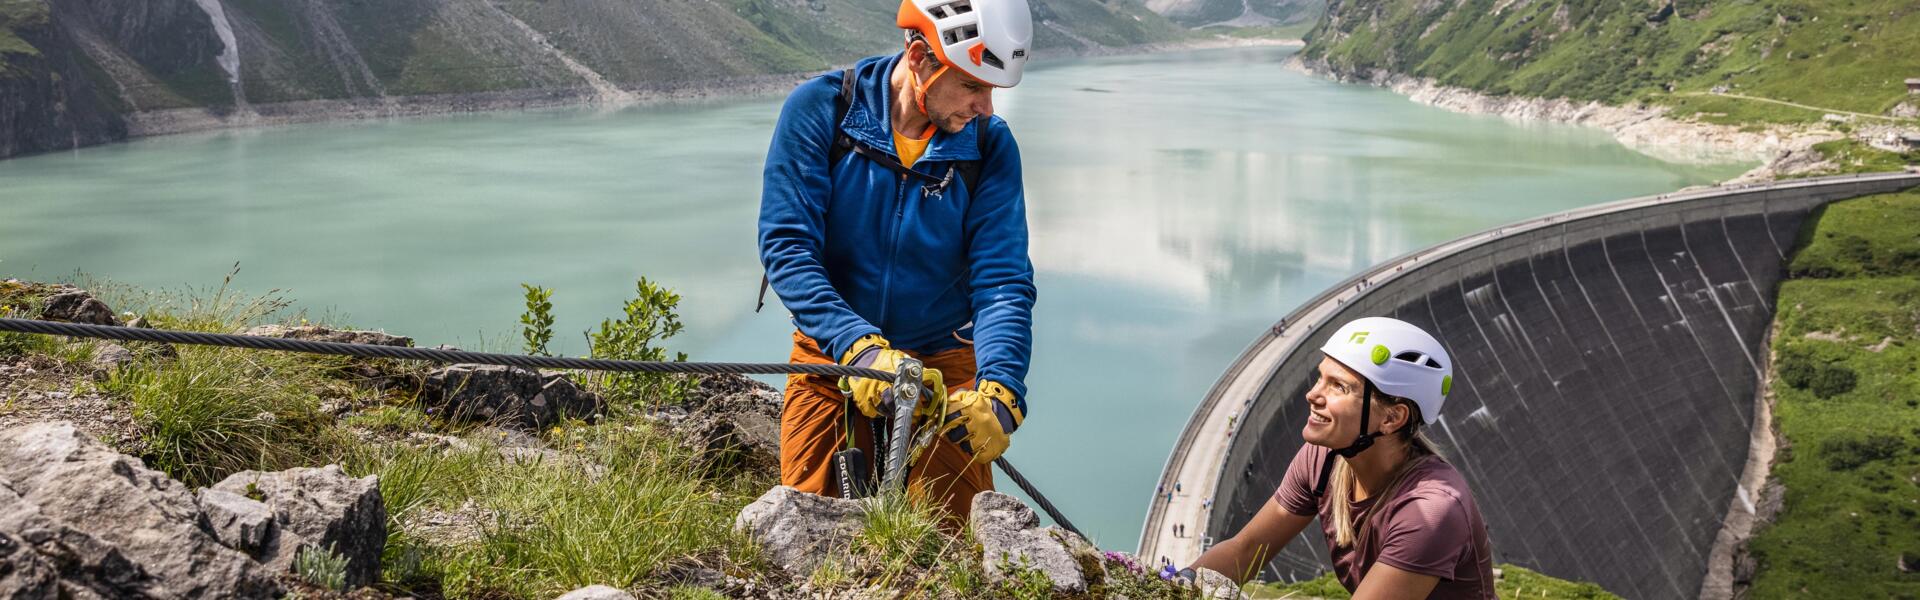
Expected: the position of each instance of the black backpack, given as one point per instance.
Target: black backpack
(967, 170)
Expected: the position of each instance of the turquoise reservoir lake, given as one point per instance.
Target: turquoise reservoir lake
(1178, 205)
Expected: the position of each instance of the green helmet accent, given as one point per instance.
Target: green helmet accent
(1446, 385)
(1381, 354)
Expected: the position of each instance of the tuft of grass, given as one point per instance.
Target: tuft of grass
(390, 419)
(1850, 462)
(903, 538)
(1515, 582)
(621, 516)
(687, 592)
(323, 568)
(215, 411)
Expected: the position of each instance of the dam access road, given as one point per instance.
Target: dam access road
(1608, 358)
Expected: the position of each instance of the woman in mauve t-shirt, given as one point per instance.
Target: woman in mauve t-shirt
(1399, 521)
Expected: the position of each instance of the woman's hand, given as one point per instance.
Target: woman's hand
(1242, 555)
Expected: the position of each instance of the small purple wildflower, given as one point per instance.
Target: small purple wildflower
(1168, 572)
(1124, 559)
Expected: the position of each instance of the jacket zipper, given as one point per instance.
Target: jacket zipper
(893, 245)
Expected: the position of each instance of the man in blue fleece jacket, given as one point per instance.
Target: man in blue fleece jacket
(893, 224)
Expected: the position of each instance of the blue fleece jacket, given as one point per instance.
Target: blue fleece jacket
(854, 249)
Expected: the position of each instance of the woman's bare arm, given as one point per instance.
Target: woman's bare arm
(1387, 582)
(1242, 555)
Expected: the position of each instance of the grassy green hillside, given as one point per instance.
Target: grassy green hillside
(1846, 383)
(1849, 55)
(18, 15)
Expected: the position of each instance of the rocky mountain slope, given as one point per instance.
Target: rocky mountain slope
(1199, 13)
(79, 72)
(1754, 79)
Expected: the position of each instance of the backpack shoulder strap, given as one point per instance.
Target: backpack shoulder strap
(842, 144)
(969, 170)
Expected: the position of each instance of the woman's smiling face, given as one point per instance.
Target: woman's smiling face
(1333, 405)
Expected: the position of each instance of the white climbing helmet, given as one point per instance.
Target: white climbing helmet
(1399, 358)
(988, 39)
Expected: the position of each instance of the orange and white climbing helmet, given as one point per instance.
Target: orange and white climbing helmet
(1398, 358)
(987, 39)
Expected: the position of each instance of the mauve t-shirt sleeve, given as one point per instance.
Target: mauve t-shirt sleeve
(1426, 534)
(1296, 489)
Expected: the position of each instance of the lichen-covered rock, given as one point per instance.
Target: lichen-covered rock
(797, 531)
(1215, 585)
(596, 592)
(90, 510)
(1011, 538)
(315, 333)
(75, 305)
(319, 508)
(506, 395)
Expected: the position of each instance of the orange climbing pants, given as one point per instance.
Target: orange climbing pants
(813, 427)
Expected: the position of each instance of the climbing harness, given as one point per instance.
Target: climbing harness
(906, 378)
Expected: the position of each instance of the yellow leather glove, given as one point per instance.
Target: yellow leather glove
(873, 352)
(980, 420)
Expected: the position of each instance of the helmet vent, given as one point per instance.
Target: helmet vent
(986, 56)
(960, 34)
(1418, 359)
(952, 9)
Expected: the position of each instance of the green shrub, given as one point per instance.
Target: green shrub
(645, 320)
(536, 324)
(1848, 452)
(1832, 380)
(1796, 369)
(1854, 249)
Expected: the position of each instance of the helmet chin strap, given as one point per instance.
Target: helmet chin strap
(920, 91)
(1360, 443)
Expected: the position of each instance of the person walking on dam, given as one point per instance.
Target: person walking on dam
(893, 225)
(1399, 520)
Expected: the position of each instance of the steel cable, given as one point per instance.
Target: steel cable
(255, 342)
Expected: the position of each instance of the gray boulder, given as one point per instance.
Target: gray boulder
(798, 531)
(75, 305)
(316, 333)
(24, 573)
(506, 395)
(319, 508)
(238, 522)
(43, 558)
(596, 592)
(1011, 537)
(111, 526)
(1215, 585)
(109, 357)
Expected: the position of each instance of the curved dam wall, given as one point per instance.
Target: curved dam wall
(1606, 367)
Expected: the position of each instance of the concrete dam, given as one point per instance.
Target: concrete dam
(1607, 368)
